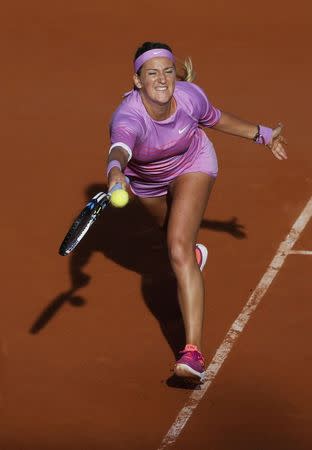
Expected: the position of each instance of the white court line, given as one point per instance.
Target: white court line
(301, 252)
(238, 326)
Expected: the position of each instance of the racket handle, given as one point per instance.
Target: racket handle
(118, 185)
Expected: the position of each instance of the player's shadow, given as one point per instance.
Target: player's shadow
(129, 237)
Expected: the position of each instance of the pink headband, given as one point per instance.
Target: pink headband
(154, 53)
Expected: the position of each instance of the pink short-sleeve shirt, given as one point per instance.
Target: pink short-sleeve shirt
(161, 150)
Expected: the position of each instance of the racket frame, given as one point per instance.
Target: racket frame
(93, 208)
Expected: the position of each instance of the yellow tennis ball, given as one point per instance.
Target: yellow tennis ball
(119, 198)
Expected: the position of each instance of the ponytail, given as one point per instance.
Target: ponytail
(185, 70)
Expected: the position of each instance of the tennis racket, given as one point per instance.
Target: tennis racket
(85, 219)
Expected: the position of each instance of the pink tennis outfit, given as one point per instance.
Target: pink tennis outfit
(160, 151)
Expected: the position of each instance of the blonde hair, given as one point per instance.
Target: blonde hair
(185, 70)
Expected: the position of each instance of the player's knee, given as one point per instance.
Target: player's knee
(180, 252)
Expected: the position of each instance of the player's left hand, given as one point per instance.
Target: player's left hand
(276, 145)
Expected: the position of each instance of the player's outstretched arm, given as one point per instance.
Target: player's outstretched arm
(238, 127)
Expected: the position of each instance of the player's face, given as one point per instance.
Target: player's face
(157, 80)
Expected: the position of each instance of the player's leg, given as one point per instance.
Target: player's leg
(157, 207)
(190, 194)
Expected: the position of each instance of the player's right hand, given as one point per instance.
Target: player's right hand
(116, 176)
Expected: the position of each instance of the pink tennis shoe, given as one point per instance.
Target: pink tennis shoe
(191, 364)
(201, 253)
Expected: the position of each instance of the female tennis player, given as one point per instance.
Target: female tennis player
(158, 142)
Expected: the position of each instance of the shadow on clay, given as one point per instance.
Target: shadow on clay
(137, 247)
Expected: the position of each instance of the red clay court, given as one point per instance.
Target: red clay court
(87, 341)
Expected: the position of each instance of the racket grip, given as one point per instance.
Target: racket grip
(118, 186)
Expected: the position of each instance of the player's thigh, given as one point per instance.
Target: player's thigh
(189, 198)
(157, 207)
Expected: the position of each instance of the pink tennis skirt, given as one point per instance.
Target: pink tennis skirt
(205, 162)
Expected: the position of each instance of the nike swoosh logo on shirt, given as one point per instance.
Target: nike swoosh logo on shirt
(183, 129)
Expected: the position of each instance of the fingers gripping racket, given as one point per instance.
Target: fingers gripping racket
(85, 219)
